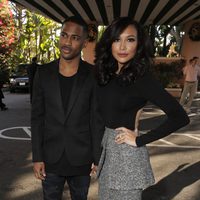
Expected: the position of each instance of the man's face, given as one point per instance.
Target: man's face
(72, 40)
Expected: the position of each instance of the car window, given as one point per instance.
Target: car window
(21, 70)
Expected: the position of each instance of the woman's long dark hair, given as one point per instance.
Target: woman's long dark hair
(106, 64)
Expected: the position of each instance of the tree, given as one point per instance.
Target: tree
(24, 35)
(166, 38)
(37, 36)
(7, 38)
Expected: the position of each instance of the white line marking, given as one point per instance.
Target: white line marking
(193, 137)
(170, 144)
(188, 135)
(167, 142)
(176, 146)
(26, 130)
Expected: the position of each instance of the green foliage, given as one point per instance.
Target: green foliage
(7, 39)
(101, 29)
(24, 35)
(164, 37)
(7, 36)
(37, 36)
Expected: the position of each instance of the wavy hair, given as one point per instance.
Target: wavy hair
(106, 64)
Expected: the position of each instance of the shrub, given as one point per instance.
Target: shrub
(169, 74)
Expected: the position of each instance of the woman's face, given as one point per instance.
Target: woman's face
(124, 48)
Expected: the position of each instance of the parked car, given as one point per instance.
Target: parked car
(19, 79)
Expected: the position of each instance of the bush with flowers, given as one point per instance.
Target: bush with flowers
(7, 38)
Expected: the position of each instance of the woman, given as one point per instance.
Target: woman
(123, 61)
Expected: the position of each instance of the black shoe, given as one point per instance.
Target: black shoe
(4, 108)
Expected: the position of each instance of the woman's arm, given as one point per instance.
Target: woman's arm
(176, 117)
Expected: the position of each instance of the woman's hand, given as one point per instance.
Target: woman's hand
(126, 136)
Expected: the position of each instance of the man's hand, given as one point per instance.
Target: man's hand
(39, 170)
(93, 170)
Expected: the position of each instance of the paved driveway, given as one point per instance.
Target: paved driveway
(175, 159)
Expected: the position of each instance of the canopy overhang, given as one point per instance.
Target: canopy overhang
(158, 12)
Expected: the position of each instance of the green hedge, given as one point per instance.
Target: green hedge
(169, 74)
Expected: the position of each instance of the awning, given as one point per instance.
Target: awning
(172, 12)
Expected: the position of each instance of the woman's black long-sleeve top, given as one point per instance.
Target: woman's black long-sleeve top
(119, 105)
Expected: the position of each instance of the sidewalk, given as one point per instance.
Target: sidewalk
(175, 159)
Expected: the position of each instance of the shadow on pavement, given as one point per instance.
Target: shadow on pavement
(173, 183)
(16, 176)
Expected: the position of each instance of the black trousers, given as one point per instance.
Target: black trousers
(2, 105)
(53, 186)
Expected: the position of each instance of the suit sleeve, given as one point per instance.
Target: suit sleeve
(37, 120)
(97, 126)
(176, 117)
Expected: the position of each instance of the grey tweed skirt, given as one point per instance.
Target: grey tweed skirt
(124, 170)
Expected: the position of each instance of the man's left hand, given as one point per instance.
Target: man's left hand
(93, 170)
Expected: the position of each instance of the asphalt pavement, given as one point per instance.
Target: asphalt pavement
(175, 159)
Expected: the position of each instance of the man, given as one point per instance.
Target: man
(31, 70)
(191, 73)
(2, 105)
(65, 124)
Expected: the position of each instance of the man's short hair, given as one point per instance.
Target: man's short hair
(34, 59)
(77, 20)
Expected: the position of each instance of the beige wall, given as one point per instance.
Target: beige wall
(89, 52)
(190, 48)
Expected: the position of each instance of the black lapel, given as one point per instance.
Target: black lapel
(55, 89)
(82, 73)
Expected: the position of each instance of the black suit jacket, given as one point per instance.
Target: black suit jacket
(31, 70)
(79, 131)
